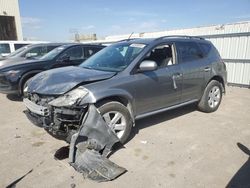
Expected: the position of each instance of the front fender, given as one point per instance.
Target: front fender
(94, 97)
(26, 76)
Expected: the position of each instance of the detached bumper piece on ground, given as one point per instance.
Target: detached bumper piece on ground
(90, 146)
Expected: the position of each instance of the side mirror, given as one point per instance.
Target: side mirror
(147, 65)
(30, 55)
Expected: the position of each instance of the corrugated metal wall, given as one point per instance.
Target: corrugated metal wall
(235, 50)
(231, 40)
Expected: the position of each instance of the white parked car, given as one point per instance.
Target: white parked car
(7, 47)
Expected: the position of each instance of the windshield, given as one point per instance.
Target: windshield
(53, 53)
(114, 58)
(19, 51)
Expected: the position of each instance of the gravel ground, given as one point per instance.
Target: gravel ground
(179, 148)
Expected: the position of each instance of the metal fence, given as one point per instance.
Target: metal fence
(235, 51)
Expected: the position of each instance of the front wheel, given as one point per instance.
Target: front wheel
(211, 98)
(118, 118)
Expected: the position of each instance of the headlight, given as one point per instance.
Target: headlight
(71, 98)
(25, 89)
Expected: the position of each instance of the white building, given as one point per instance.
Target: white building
(10, 22)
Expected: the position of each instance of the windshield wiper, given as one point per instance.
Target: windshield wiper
(85, 67)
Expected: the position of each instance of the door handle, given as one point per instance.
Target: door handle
(177, 75)
(207, 69)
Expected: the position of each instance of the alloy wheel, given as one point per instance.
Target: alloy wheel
(116, 121)
(214, 97)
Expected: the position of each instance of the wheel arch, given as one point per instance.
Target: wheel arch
(25, 77)
(219, 79)
(124, 100)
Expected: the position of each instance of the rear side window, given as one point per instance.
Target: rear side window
(17, 46)
(206, 48)
(4, 48)
(89, 51)
(188, 51)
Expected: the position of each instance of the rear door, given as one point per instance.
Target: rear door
(192, 63)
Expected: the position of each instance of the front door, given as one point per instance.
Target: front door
(161, 88)
(71, 57)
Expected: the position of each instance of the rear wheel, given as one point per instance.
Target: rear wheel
(211, 98)
(118, 118)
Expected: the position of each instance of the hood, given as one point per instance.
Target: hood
(59, 81)
(15, 61)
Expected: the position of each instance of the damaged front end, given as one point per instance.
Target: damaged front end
(61, 116)
(71, 118)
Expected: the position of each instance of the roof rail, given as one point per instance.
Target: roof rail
(126, 39)
(180, 36)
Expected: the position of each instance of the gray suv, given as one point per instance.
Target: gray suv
(126, 81)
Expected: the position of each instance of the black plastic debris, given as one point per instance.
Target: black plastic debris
(62, 153)
(91, 145)
(13, 184)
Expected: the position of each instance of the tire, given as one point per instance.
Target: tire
(111, 109)
(212, 96)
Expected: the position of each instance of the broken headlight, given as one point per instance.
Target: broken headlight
(71, 98)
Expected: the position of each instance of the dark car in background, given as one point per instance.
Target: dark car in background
(126, 81)
(29, 51)
(15, 75)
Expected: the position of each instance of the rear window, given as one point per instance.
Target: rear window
(4, 48)
(188, 51)
(206, 48)
(17, 46)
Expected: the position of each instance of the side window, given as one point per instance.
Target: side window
(162, 55)
(89, 51)
(17, 46)
(188, 51)
(206, 48)
(4, 48)
(73, 53)
(36, 51)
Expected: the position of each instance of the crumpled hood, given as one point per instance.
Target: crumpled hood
(59, 81)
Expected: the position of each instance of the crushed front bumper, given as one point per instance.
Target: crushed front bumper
(61, 123)
(36, 109)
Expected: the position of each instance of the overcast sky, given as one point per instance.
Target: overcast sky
(56, 20)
